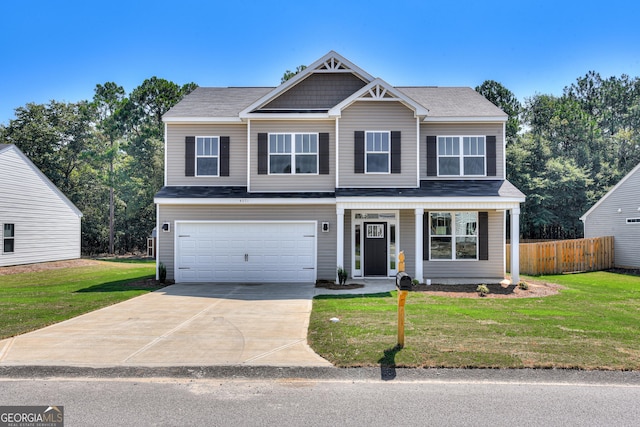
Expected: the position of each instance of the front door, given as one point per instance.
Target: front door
(375, 249)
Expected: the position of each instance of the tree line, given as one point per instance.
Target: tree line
(565, 152)
(106, 154)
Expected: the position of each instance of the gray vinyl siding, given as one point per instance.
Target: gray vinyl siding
(378, 116)
(442, 129)
(326, 241)
(605, 220)
(491, 271)
(47, 228)
(407, 240)
(293, 182)
(176, 134)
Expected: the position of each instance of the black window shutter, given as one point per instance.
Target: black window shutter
(323, 153)
(190, 156)
(358, 151)
(396, 151)
(432, 156)
(491, 156)
(263, 154)
(224, 156)
(483, 236)
(425, 236)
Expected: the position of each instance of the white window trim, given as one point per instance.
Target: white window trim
(388, 153)
(461, 156)
(217, 157)
(453, 236)
(293, 153)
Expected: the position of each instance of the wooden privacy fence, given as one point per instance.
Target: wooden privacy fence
(564, 256)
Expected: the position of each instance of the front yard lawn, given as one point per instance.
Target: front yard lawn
(33, 299)
(594, 323)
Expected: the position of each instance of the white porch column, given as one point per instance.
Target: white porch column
(515, 245)
(419, 238)
(340, 241)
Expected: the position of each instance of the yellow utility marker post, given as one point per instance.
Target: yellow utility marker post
(404, 285)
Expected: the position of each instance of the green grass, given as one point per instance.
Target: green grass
(33, 300)
(594, 323)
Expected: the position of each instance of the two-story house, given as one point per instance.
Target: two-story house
(335, 168)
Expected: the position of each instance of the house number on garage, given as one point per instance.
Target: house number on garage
(375, 231)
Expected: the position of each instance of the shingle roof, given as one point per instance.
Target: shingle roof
(448, 188)
(204, 192)
(452, 101)
(217, 101)
(440, 188)
(229, 102)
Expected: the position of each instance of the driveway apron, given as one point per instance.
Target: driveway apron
(181, 325)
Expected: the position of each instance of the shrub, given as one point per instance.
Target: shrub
(482, 290)
(415, 282)
(342, 276)
(523, 285)
(162, 272)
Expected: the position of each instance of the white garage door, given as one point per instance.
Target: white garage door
(246, 252)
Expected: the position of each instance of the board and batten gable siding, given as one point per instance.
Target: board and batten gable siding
(461, 129)
(47, 227)
(175, 167)
(605, 220)
(326, 241)
(490, 270)
(292, 182)
(378, 116)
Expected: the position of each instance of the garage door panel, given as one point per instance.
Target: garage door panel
(246, 252)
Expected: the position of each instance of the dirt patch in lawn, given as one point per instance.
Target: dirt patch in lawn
(536, 289)
(30, 268)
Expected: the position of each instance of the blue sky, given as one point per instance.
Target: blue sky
(61, 49)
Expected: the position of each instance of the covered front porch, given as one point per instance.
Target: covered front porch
(469, 244)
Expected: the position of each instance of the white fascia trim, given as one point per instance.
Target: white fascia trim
(614, 188)
(456, 119)
(203, 120)
(249, 201)
(497, 203)
(419, 110)
(285, 116)
(303, 75)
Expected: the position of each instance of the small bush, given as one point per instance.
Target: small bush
(482, 290)
(162, 273)
(523, 285)
(415, 282)
(342, 276)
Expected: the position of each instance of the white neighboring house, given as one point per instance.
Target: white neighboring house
(37, 222)
(617, 214)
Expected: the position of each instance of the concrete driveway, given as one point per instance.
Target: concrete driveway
(180, 325)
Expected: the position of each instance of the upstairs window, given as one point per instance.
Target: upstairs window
(8, 235)
(293, 153)
(377, 152)
(461, 156)
(207, 156)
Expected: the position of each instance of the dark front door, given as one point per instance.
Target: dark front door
(375, 248)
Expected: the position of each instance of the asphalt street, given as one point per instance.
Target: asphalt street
(248, 396)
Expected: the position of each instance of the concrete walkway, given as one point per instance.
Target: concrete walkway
(185, 325)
